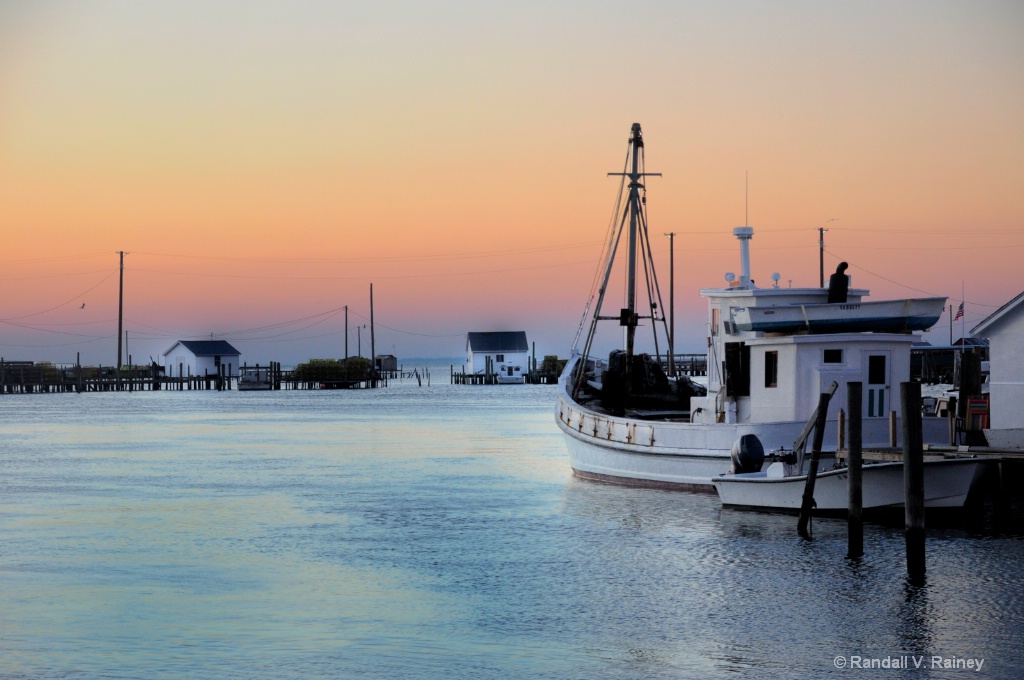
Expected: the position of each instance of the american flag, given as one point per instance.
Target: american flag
(959, 312)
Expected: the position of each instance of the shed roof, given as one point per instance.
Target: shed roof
(498, 341)
(995, 317)
(206, 348)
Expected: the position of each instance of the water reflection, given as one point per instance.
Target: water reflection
(417, 534)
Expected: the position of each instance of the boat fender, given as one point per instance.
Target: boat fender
(747, 454)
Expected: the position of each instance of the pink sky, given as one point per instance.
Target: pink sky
(264, 163)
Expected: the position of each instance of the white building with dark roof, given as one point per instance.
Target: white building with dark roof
(506, 353)
(201, 357)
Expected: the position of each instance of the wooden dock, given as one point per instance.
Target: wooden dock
(25, 377)
(491, 378)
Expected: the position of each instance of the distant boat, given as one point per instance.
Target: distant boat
(883, 316)
(627, 420)
(946, 485)
(254, 378)
(510, 374)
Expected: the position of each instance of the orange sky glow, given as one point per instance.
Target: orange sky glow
(264, 163)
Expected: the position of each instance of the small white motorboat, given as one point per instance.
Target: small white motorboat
(947, 483)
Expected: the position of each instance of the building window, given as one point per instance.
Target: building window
(771, 369)
(833, 356)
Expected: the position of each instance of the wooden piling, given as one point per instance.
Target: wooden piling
(951, 417)
(913, 478)
(855, 477)
(812, 472)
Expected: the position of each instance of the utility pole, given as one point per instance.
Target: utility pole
(120, 312)
(821, 256)
(821, 253)
(373, 353)
(346, 342)
(671, 303)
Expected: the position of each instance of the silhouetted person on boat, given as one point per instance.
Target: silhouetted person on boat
(838, 284)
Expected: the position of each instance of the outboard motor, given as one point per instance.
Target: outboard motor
(747, 454)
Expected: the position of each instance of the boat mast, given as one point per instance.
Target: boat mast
(628, 318)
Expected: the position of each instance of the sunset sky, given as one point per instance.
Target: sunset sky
(262, 163)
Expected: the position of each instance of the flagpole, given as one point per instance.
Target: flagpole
(963, 317)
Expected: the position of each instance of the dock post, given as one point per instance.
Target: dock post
(812, 473)
(893, 441)
(855, 479)
(841, 431)
(913, 478)
(951, 419)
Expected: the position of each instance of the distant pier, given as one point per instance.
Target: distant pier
(491, 378)
(690, 365)
(26, 377)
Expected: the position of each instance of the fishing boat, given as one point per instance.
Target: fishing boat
(947, 483)
(633, 419)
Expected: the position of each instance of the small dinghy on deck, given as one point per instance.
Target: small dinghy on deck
(882, 316)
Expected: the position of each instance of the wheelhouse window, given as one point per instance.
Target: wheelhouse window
(771, 369)
(499, 357)
(715, 320)
(833, 356)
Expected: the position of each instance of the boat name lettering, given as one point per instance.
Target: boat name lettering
(849, 306)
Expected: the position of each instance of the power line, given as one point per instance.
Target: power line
(505, 252)
(74, 299)
(903, 285)
(397, 330)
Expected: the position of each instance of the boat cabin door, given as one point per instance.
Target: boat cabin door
(878, 392)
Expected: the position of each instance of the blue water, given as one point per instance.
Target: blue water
(426, 532)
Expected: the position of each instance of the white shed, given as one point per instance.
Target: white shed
(507, 351)
(1004, 329)
(201, 357)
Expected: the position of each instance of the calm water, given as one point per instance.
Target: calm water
(425, 532)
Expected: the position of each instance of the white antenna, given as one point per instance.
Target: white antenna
(746, 198)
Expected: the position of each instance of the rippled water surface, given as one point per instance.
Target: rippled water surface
(424, 532)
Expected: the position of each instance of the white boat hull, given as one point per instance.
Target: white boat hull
(946, 485)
